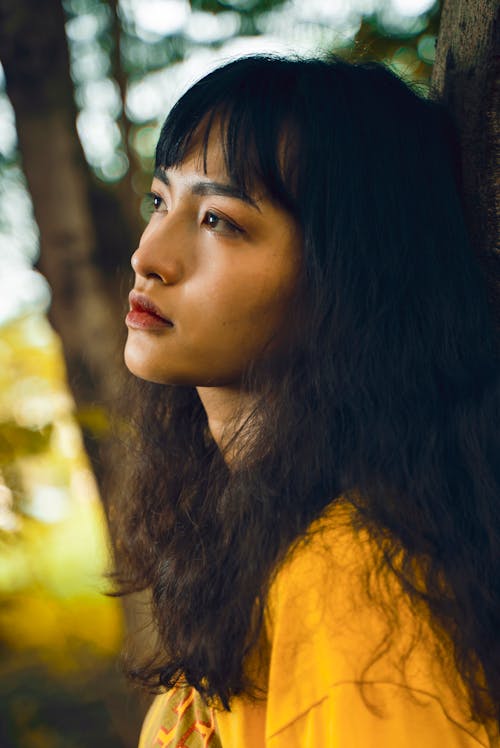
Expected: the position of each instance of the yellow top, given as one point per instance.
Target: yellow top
(325, 636)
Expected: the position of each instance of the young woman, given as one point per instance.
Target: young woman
(313, 500)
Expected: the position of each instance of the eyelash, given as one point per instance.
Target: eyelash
(151, 197)
(231, 227)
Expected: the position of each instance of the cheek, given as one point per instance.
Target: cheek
(250, 294)
(254, 307)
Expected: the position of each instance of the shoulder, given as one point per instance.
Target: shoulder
(318, 591)
(343, 637)
(403, 718)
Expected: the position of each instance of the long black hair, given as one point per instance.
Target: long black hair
(389, 398)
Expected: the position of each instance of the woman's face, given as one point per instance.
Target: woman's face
(220, 266)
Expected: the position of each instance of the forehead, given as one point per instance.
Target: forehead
(224, 146)
(205, 160)
(205, 153)
(201, 151)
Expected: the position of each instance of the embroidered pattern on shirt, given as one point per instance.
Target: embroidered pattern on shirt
(186, 722)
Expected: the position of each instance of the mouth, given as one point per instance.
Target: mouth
(144, 313)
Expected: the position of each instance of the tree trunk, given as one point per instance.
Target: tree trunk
(86, 309)
(467, 76)
(129, 199)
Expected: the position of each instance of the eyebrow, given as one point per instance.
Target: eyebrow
(212, 188)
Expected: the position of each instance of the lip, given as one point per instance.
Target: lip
(144, 313)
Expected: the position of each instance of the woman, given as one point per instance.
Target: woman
(313, 501)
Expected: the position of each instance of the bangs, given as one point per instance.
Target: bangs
(254, 125)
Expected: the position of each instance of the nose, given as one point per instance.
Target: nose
(154, 257)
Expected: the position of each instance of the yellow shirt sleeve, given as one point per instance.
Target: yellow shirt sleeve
(325, 637)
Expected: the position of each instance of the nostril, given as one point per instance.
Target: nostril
(155, 275)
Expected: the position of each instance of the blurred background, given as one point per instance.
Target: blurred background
(84, 87)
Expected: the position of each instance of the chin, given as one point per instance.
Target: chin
(154, 372)
(141, 367)
(153, 368)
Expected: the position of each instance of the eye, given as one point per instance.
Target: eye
(156, 204)
(220, 225)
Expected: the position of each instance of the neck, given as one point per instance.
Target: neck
(226, 409)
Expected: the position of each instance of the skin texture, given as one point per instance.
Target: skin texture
(225, 289)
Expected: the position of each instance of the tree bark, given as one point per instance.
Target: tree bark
(86, 308)
(466, 76)
(129, 199)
